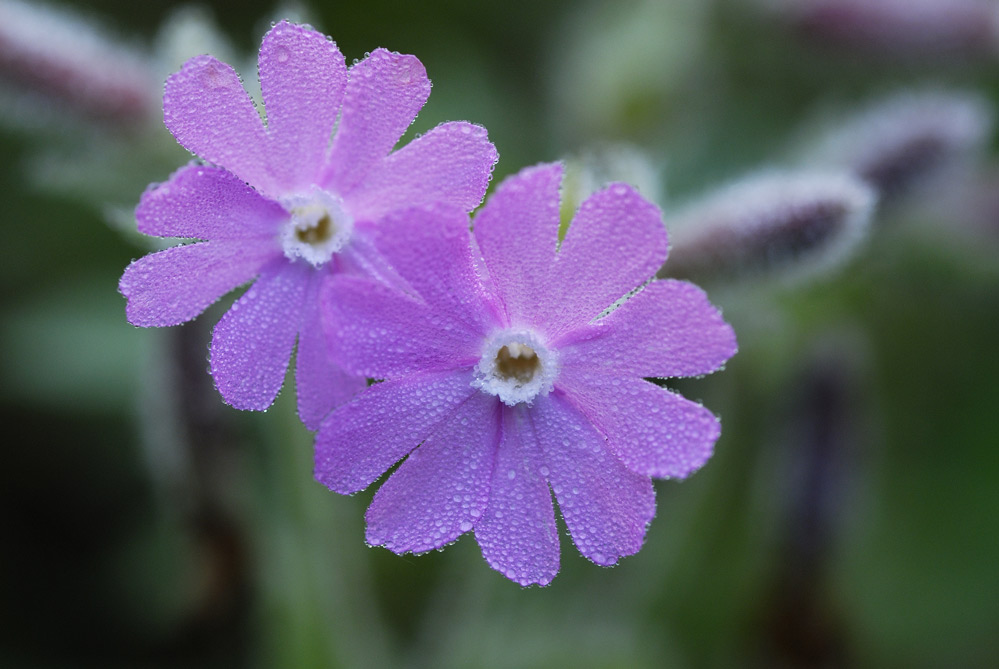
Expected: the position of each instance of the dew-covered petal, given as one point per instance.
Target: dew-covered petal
(207, 203)
(302, 79)
(517, 533)
(360, 440)
(668, 329)
(320, 384)
(431, 249)
(615, 243)
(211, 115)
(382, 333)
(175, 285)
(517, 233)
(252, 343)
(442, 488)
(452, 163)
(653, 431)
(605, 506)
(385, 92)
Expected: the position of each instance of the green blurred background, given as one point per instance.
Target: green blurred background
(849, 515)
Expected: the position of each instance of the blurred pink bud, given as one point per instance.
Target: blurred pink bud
(787, 225)
(898, 143)
(68, 60)
(902, 28)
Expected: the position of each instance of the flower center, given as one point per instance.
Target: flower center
(517, 361)
(319, 233)
(516, 367)
(317, 228)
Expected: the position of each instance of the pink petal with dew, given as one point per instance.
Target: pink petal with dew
(211, 115)
(207, 203)
(668, 329)
(653, 431)
(452, 163)
(302, 78)
(431, 249)
(517, 232)
(605, 506)
(385, 92)
(320, 384)
(442, 488)
(252, 343)
(360, 440)
(517, 533)
(615, 243)
(382, 333)
(173, 286)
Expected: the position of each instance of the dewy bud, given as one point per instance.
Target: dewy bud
(66, 58)
(910, 29)
(897, 143)
(777, 224)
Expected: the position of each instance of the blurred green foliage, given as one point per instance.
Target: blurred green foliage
(145, 523)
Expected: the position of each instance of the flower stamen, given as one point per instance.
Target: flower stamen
(517, 361)
(318, 227)
(318, 233)
(516, 367)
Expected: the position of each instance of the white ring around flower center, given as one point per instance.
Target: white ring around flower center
(319, 226)
(516, 367)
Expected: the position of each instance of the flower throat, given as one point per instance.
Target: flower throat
(318, 233)
(517, 361)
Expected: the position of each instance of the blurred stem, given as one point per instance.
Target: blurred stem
(805, 627)
(316, 598)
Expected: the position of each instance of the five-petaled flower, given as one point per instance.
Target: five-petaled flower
(512, 369)
(286, 204)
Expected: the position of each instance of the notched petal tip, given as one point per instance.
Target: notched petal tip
(145, 218)
(253, 342)
(173, 286)
(407, 68)
(285, 39)
(615, 243)
(206, 71)
(541, 172)
(211, 115)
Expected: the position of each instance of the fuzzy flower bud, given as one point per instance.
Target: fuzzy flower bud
(66, 58)
(910, 29)
(785, 224)
(900, 142)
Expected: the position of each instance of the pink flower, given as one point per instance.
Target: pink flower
(286, 205)
(506, 379)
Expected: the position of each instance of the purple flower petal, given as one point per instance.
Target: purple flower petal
(442, 488)
(175, 285)
(252, 343)
(517, 533)
(320, 383)
(605, 506)
(517, 232)
(207, 203)
(359, 441)
(615, 243)
(451, 163)
(207, 110)
(381, 333)
(667, 329)
(653, 431)
(385, 92)
(431, 249)
(302, 78)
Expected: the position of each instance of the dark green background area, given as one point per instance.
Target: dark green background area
(850, 515)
